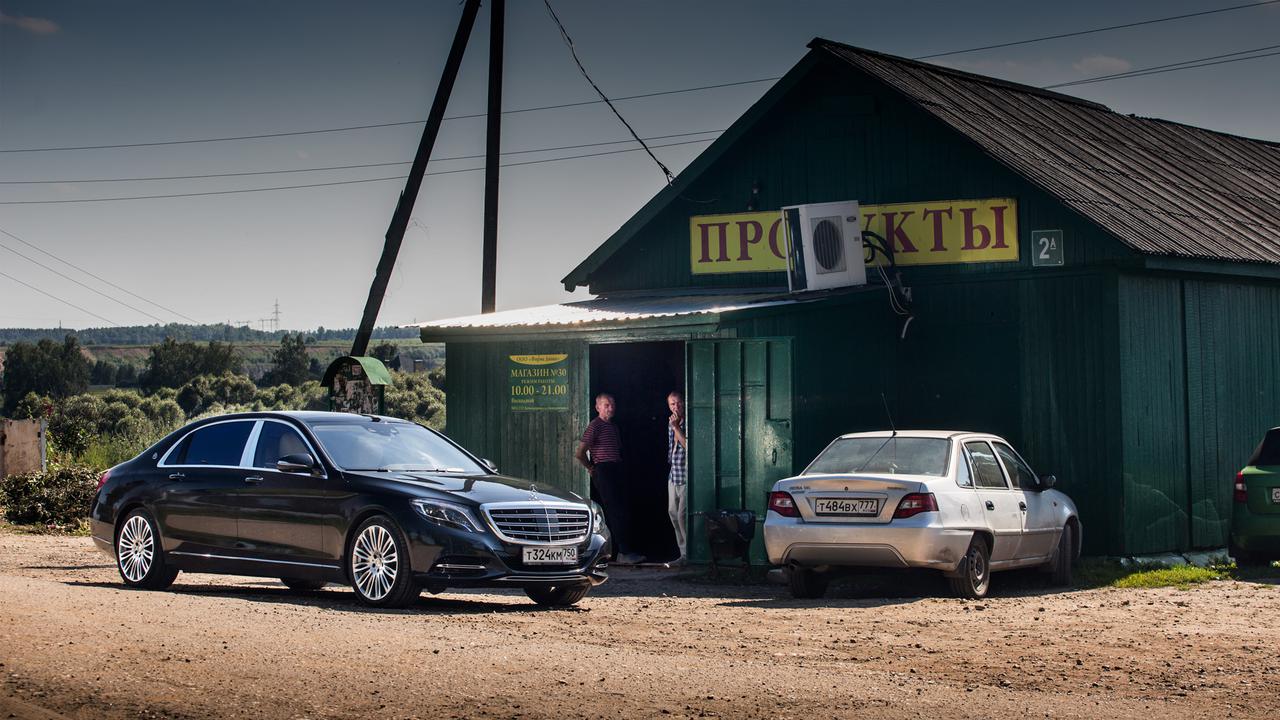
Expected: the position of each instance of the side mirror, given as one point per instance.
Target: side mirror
(489, 464)
(296, 463)
(1047, 481)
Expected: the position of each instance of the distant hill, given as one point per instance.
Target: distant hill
(153, 334)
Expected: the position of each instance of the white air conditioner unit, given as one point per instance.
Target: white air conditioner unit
(824, 246)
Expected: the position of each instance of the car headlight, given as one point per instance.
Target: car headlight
(448, 514)
(597, 519)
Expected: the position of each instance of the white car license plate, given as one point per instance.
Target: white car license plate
(560, 555)
(847, 506)
(1275, 495)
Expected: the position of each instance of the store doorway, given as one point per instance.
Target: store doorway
(639, 376)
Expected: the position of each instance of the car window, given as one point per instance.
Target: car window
(891, 455)
(1019, 473)
(963, 477)
(276, 441)
(220, 444)
(390, 446)
(1268, 452)
(985, 466)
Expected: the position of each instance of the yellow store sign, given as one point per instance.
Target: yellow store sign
(927, 233)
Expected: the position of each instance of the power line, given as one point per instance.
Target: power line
(1098, 30)
(1172, 67)
(77, 282)
(337, 167)
(331, 184)
(55, 297)
(574, 52)
(96, 277)
(374, 126)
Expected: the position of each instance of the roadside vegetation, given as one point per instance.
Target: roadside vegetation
(90, 431)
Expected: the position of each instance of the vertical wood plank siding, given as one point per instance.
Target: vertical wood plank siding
(537, 446)
(1200, 369)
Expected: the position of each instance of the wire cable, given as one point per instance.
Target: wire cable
(1172, 67)
(55, 297)
(471, 115)
(574, 52)
(1098, 30)
(339, 167)
(98, 278)
(331, 184)
(83, 285)
(374, 126)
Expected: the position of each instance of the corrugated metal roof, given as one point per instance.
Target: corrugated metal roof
(1160, 187)
(618, 310)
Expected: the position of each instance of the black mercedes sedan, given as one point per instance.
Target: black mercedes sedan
(383, 505)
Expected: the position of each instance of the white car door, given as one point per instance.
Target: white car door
(1039, 528)
(1000, 504)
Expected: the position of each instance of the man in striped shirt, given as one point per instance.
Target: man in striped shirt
(600, 452)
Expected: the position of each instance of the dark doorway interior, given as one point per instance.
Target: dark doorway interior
(639, 376)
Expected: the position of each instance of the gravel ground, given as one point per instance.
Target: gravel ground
(649, 643)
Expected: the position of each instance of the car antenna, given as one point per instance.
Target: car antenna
(886, 412)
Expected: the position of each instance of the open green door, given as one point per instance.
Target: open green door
(739, 406)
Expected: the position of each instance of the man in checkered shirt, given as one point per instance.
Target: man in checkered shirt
(678, 476)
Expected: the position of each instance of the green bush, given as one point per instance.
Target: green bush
(61, 496)
(413, 396)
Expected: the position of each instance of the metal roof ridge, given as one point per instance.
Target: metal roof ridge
(825, 44)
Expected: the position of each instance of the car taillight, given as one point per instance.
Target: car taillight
(1241, 494)
(916, 503)
(103, 479)
(783, 504)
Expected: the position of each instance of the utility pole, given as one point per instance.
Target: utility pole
(275, 316)
(493, 144)
(404, 207)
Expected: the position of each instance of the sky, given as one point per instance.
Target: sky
(76, 74)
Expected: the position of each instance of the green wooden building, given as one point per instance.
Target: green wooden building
(1101, 289)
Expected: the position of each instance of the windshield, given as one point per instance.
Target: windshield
(388, 446)
(887, 455)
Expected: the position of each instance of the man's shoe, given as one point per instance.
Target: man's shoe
(629, 559)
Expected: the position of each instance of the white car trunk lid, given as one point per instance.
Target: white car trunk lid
(850, 498)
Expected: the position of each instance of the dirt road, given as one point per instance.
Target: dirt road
(74, 644)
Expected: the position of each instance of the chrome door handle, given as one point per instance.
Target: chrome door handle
(991, 505)
(253, 479)
(1022, 506)
(176, 476)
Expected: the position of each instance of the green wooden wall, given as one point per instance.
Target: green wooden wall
(1200, 377)
(1032, 359)
(537, 446)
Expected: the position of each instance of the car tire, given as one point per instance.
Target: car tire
(139, 556)
(807, 584)
(1065, 557)
(973, 575)
(557, 595)
(303, 584)
(378, 565)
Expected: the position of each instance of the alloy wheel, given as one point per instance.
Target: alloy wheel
(136, 548)
(375, 562)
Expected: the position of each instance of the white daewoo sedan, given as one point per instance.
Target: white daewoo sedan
(959, 502)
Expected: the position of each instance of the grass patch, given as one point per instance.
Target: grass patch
(1179, 576)
(1105, 572)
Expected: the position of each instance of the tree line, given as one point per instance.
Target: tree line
(182, 380)
(152, 334)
